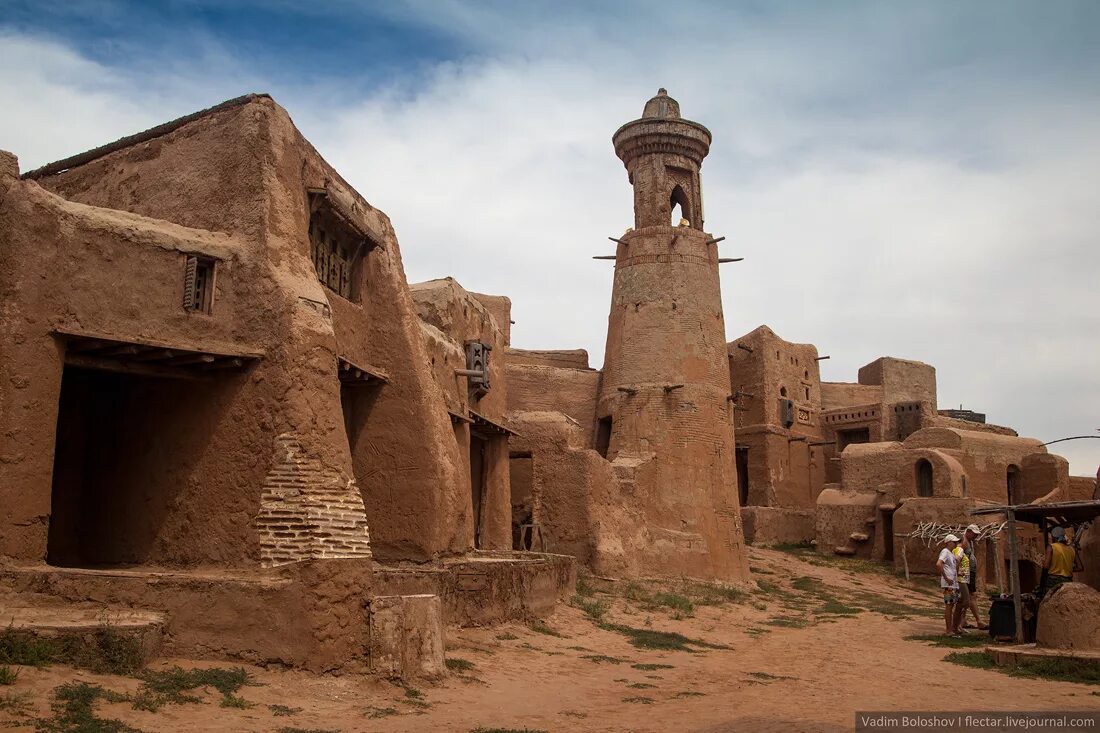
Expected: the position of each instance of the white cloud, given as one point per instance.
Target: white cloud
(888, 200)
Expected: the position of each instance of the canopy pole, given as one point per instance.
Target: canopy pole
(1014, 575)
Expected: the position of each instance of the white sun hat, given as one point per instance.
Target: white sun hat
(950, 538)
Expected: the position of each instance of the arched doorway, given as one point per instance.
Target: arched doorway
(924, 477)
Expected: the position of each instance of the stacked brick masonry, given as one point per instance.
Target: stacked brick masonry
(309, 510)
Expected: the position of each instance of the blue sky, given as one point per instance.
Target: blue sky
(906, 178)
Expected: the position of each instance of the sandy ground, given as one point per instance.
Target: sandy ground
(790, 666)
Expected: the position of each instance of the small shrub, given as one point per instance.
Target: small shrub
(584, 586)
(280, 711)
(235, 701)
(8, 676)
(458, 665)
(16, 703)
(787, 622)
(593, 609)
(18, 647)
(73, 711)
(164, 687)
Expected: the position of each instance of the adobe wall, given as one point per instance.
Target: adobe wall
(835, 395)
(943, 421)
(765, 525)
(1043, 476)
(840, 513)
(985, 457)
(571, 391)
(308, 614)
(563, 358)
(1080, 488)
(901, 380)
(52, 277)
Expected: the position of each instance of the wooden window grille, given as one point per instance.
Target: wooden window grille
(198, 284)
(336, 251)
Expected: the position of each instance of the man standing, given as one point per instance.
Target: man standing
(1059, 561)
(947, 566)
(969, 537)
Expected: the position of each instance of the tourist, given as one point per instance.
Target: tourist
(948, 565)
(970, 599)
(962, 580)
(1059, 562)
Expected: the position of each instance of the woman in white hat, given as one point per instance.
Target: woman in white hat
(947, 564)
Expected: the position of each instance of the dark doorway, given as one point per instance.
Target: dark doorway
(743, 474)
(1012, 482)
(845, 438)
(356, 401)
(603, 436)
(888, 536)
(126, 447)
(924, 478)
(521, 469)
(478, 464)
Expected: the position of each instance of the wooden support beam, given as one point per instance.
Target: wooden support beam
(606, 257)
(155, 355)
(670, 387)
(820, 358)
(743, 347)
(1014, 575)
(232, 363)
(192, 359)
(628, 390)
(724, 260)
(616, 240)
(715, 240)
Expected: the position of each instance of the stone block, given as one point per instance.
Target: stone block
(406, 636)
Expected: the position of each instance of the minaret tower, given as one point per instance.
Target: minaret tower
(664, 417)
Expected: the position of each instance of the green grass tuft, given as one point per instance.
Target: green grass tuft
(602, 658)
(506, 730)
(16, 703)
(381, 712)
(168, 687)
(458, 665)
(651, 667)
(307, 730)
(951, 642)
(1060, 670)
(281, 711)
(787, 622)
(641, 700)
(641, 686)
(506, 636)
(650, 639)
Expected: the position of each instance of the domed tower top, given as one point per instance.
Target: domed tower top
(662, 106)
(663, 153)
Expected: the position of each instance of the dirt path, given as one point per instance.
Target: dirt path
(821, 640)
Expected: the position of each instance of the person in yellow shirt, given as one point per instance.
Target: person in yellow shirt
(1059, 562)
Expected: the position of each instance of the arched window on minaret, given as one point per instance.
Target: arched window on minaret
(678, 202)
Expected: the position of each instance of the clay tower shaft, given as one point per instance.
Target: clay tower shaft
(664, 417)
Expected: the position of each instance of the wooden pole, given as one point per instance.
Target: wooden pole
(905, 556)
(1014, 575)
(999, 560)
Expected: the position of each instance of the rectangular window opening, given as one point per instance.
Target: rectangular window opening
(198, 284)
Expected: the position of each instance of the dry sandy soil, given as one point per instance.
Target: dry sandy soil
(795, 655)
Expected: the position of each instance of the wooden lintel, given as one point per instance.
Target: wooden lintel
(744, 347)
